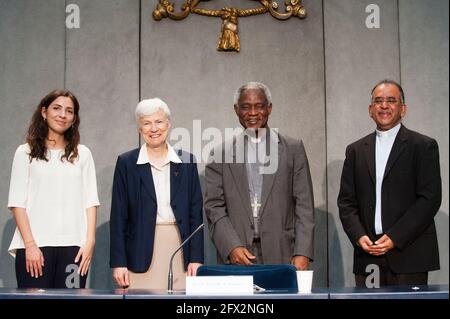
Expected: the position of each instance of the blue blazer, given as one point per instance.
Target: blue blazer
(134, 209)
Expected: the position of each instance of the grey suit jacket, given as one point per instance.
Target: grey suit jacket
(287, 211)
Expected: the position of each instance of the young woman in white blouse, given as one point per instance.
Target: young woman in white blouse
(53, 197)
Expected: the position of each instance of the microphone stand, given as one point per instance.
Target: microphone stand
(170, 276)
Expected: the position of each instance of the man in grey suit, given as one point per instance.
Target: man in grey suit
(259, 200)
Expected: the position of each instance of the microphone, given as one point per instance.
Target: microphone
(170, 276)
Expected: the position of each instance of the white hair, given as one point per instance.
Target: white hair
(151, 106)
(253, 86)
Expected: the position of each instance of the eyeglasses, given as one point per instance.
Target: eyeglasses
(389, 100)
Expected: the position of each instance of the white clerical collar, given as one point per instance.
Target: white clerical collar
(257, 140)
(389, 133)
(171, 155)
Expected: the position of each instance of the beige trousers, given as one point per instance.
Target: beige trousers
(167, 240)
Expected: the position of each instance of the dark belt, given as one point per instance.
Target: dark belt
(256, 240)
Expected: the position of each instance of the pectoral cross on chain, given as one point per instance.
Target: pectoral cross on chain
(255, 205)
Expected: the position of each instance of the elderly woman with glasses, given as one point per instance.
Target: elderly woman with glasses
(156, 204)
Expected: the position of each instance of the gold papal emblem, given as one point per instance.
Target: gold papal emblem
(229, 38)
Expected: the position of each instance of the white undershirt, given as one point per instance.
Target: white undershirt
(161, 180)
(383, 146)
(55, 195)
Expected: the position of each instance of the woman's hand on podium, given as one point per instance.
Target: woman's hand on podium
(192, 269)
(121, 276)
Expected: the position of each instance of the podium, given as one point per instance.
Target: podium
(393, 292)
(425, 292)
